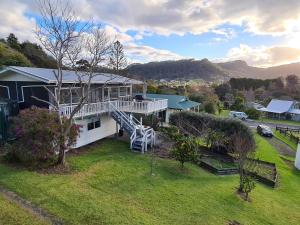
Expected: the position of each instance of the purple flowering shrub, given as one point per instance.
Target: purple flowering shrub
(38, 136)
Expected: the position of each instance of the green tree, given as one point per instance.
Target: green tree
(184, 149)
(13, 42)
(37, 56)
(238, 104)
(210, 107)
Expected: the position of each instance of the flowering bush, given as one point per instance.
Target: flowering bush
(38, 135)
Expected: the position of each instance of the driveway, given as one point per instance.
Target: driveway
(254, 124)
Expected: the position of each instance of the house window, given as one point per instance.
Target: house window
(70, 95)
(94, 124)
(123, 92)
(114, 93)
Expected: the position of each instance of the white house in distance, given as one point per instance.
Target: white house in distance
(109, 109)
(175, 103)
(282, 109)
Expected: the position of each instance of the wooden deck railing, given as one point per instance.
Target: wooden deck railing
(145, 107)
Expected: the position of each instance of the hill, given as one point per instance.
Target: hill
(10, 56)
(240, 68)
(181, 69)
(206, 70)
(13, 53)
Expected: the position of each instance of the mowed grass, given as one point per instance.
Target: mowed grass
(111, 185)
(12, 214)
(286, 140)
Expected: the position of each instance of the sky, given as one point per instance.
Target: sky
(261, 32)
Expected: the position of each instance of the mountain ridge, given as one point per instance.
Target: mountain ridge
(207, 70)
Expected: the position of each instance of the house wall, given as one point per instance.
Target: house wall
(22, 91)
(295, 117)
(107, 128)
(297, 160)
(169, 112)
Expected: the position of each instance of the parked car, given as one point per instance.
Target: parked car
(264, 131)
(238, 115)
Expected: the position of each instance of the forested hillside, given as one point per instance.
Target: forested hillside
(13, 53)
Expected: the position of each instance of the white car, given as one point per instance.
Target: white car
(238, 115)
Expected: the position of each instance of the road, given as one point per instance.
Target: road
(254, 124)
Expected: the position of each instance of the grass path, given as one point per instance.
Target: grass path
(12, 213)
(111, 185)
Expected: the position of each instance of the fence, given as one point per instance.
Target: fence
(289, 132)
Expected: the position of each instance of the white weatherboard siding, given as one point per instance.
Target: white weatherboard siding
(107, 128)
(297, 160)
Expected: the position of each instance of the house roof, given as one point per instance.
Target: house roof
(176, 101)
(69, 76)
(279, 106)
(295, 111)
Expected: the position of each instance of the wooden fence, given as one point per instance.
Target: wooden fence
(289, 132)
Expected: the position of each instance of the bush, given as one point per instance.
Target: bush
(210, 107)
(37, 134)
(201, 124)
(253, 114)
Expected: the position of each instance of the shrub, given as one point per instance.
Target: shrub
(37, 134)
(238, 104)
(210, 107)
(247, 185)
(253, 113)
(201, 124)
(184, 149)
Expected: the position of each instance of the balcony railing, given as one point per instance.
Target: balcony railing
(144, 107)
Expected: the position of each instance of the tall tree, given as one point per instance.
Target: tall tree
(64, 37)
(117, 58)
(13, 42)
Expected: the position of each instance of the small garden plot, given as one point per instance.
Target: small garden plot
(265, 172)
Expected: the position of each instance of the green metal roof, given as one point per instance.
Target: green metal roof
(176, 101)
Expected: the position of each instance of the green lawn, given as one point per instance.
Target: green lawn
(111, 185)
(286, 140)
(12, 214)
(224, 113)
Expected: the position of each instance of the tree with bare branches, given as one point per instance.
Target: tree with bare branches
(69, 40)
(244, 152)
(117, 58)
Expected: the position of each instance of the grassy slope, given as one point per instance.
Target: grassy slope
(11, 214)
(9, 56)
(113, 186)
(286, 140)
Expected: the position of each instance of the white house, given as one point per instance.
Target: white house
(282, 109)
(109, 108)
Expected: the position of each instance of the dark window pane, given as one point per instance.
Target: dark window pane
(97, 124)
(90, 126)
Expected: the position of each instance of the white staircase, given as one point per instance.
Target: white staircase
(140, 137)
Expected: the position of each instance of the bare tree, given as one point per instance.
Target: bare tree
(244, 152)
(117, 58)
(68, 40)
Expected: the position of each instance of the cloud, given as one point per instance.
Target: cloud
(264, 56)
(14, 20)
(143, 53)
(167, 17)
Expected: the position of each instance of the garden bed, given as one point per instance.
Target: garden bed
(219, 164)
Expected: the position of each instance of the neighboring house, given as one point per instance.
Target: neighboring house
(109, 109)
(282, 109)
(175, 103)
